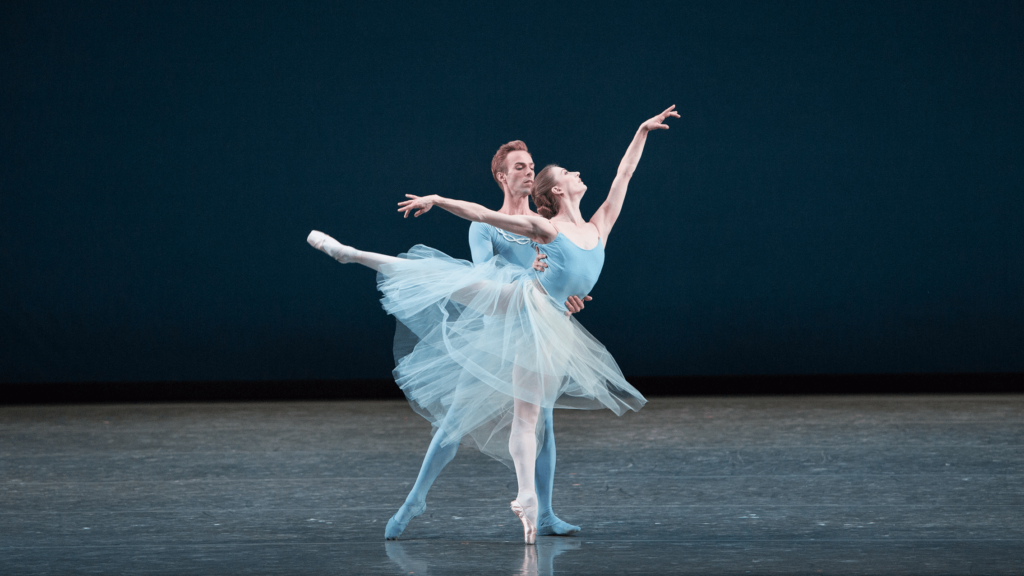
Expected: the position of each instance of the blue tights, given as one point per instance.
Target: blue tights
(438, 456)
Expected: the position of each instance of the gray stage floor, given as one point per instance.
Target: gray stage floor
(784, 485)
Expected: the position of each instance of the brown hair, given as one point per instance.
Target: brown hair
(546, 201)
(498, 162)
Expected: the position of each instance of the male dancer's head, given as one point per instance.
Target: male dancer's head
(513, 170)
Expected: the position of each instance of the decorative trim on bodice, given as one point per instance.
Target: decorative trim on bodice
(510, 237)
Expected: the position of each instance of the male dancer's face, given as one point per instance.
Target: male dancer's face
(519, 178)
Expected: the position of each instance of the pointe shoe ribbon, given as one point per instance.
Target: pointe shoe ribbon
(529, 528)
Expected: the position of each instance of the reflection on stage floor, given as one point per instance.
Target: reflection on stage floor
(700, 485)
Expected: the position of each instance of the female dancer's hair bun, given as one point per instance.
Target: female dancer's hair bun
(546, 201)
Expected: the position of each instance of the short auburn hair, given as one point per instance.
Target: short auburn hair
(498, 162)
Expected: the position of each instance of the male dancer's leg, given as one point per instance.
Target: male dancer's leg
(547, 523)
(439, 454)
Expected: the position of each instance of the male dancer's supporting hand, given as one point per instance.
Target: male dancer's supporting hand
(574, 303)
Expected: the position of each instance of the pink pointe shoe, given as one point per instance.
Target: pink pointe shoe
(529, 526)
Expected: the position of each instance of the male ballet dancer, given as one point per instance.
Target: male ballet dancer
(513, 170)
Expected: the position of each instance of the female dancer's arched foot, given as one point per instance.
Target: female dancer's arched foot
(525, 507)
(333, 248)
(552, 525)
(398, 523)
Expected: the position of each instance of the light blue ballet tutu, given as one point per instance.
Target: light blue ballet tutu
(472, 338)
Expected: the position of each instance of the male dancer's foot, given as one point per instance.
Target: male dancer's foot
(333, 248)
(398, 523)
(551, 525)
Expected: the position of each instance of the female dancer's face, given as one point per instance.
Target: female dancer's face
(571, 183)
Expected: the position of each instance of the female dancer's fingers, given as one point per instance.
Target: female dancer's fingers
(587, 298)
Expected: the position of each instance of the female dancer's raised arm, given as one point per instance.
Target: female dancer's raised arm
(608, 213)
(535, 228)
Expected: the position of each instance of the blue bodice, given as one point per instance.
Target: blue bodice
(571, 269)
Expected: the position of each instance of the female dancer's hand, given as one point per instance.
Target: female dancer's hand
(658, 122)
(419, 204)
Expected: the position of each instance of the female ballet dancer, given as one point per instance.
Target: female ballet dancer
(494, 338)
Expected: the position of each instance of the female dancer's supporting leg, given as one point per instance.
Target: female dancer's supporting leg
(522, 445)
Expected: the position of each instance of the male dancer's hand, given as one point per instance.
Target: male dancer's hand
(574, 304)
(538, 263)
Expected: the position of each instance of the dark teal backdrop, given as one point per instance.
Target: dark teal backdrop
(843, 193)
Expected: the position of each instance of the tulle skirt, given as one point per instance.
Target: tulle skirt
(473, 338)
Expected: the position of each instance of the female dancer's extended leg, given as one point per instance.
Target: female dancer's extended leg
(347, 254)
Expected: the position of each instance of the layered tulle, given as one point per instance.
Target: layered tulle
(471, 338)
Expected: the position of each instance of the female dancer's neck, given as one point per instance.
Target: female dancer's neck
(569, 211)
